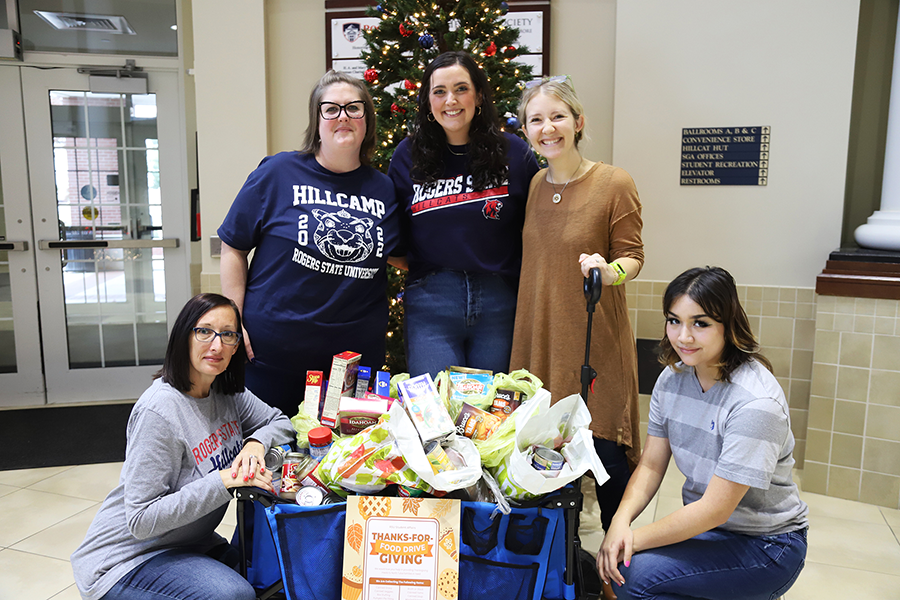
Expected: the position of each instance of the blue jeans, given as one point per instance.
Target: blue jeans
(716, 565)
(182, 575)
(456, 318)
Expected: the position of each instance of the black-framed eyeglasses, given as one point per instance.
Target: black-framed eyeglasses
(543, 80)
(332, 110)
(205, 334)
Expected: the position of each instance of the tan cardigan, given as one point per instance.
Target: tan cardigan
(599, 212)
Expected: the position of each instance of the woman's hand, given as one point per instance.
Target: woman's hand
(608, 275)
(617, 547)
(249, 468)
(247, 345)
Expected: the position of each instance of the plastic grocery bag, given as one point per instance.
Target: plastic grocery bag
(365, 463)
(407, 441)
(563, 425)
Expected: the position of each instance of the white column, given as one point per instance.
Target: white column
(232, 123)
(882, 230)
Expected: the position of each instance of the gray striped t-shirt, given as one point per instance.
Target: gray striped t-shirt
(740, 431)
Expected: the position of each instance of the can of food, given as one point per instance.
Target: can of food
(274, 458)
(293, 470)
(310, 496)
(549, 462)
(438, 458)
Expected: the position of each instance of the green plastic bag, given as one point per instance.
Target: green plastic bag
(302, 423)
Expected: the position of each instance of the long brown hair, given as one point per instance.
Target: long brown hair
(487, 146)
(714, 290)
(311, 139)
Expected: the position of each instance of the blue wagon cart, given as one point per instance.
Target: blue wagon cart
(295, 552)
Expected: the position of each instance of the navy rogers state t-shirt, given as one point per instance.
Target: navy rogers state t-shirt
(321, 242)
(452, 226)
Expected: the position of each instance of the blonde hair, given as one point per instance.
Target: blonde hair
(561, 88)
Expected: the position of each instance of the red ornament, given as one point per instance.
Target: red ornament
(491, 49)
(409, 85)
(371, 75)
(509, 50)
(405, 31)
(396, 109)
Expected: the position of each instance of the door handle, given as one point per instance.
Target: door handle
(101, 244)
(14, 246)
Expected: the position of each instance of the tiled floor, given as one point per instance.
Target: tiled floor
(854, 550)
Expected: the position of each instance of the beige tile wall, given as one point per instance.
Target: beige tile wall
(853, 446)
(783, 320)
(209, 282)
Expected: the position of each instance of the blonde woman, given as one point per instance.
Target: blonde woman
(580, 215)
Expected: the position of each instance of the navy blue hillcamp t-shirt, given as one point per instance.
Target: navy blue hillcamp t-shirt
(317, 280)
(453, 226)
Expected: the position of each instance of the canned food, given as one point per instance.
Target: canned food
(310, 496)
(438, 458)
(548, 462)
(274, 458)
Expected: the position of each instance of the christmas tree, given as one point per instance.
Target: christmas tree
(411, 34)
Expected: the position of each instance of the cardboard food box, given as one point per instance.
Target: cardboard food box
(427, 412)
(313, 392)
(475, 423)
(463, 385)
(362, 381)
(341, 382)
(507, 401)
(357, 414)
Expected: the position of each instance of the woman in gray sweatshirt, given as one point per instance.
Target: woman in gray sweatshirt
(194, 434)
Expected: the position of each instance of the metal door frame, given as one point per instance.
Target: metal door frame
(59, 383)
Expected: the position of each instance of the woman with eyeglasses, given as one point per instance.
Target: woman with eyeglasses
(321, 223)
(581, 215)
(191, 437)
(463, 184)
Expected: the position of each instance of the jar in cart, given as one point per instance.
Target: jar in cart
(319, 442)
(296, 466)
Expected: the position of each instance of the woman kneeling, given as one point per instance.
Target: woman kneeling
(719, 410)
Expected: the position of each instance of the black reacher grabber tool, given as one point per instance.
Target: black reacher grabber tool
(592, 289)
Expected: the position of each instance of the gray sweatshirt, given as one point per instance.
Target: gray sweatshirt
(170, 493)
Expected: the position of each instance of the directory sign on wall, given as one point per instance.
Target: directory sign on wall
(725, 155)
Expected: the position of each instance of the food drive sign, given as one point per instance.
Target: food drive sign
(401, 549)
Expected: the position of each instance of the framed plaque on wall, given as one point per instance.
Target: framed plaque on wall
(345, 20)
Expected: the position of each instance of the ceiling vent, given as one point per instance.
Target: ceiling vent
(77, 22)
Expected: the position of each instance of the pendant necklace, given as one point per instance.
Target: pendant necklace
(558, 195)
(456, 153)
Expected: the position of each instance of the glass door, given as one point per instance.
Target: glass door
(21, 373)
(107, 185)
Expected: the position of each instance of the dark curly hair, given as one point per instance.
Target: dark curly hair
(487, 146)
(714, 290)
